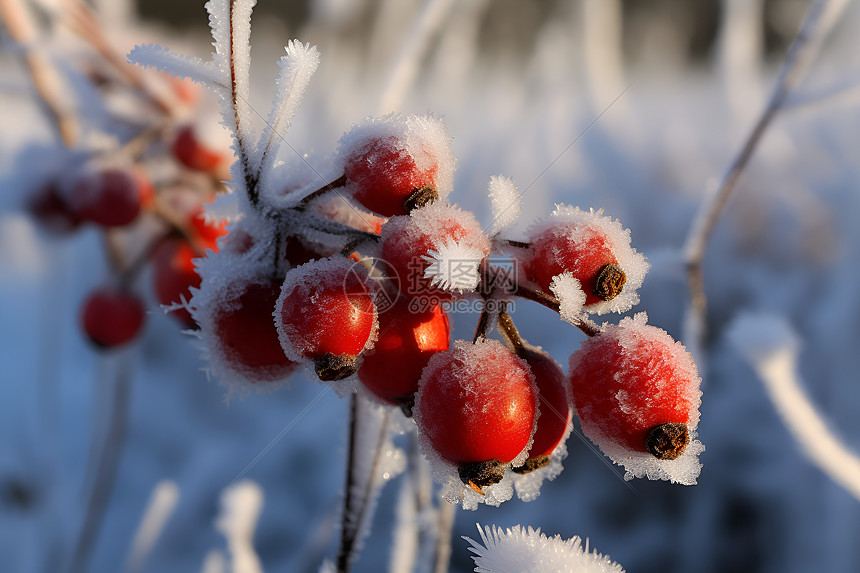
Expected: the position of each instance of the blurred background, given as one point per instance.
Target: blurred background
(635, 107)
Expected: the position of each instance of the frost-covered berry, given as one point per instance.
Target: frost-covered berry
(394, 164)
(435, 250)
(594, 249)
(173, 276)
(194, 153)
(553, 407)
(245, 334)
(112, 317)
(636, 392)
(408, 338)
(325, 315)
(109, 197)
(206, 232)
(476, 407)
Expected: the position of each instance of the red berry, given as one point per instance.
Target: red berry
(629, 380)
(111, 197)
(383, 175)
(326, 314)
(194, 154)
(476, 403)
(174, 276)
(207, 234)
(407, 340)
(50, 209)
(112, 317)
(246, 333)
(594, 249)
(554, 408)
(407, 239)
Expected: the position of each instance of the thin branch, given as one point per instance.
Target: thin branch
(21, 29)
(87, 26)
(355, 510)
(820, 18)
(535, 295)
(307, 199)
(105, 476)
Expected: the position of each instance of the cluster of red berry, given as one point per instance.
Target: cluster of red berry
(341, 283)
(119, 198)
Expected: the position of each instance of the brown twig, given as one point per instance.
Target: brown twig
(21, 29)
(82, 21)
(820, 18)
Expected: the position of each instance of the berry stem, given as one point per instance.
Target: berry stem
(536, 295)
(509, 329)
(310, 197)
(518, 244)
(130, 272)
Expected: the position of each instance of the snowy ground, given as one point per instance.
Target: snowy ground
(788, 244)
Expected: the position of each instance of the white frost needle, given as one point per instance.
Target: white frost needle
(517, 549)
(453, 266)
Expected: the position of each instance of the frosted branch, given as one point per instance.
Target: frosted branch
(162, 502)
(296, 69)
(241, 505)
(771, 347)
(819, 20)
(165, 60)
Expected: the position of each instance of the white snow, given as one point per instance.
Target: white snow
(518, 550)
(506, 204)
(571, 297)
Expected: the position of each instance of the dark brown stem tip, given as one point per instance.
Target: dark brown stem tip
(532, 464)
(407, 405)
(610, 282)
(420, 197)
(668, 441)
(332, 367)
(479, 475)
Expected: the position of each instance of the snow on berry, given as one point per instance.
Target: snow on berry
(394, 163)
(571, 297)
(408, 338)
(636, 392)
(326, 317)
(545, 456)
(435, 250)
(112, 317)
(475, 411)
(595, 249)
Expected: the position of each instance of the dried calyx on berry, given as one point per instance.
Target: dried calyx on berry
(395, 164)
(636, 392)
(326, 316)
(594, 249)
